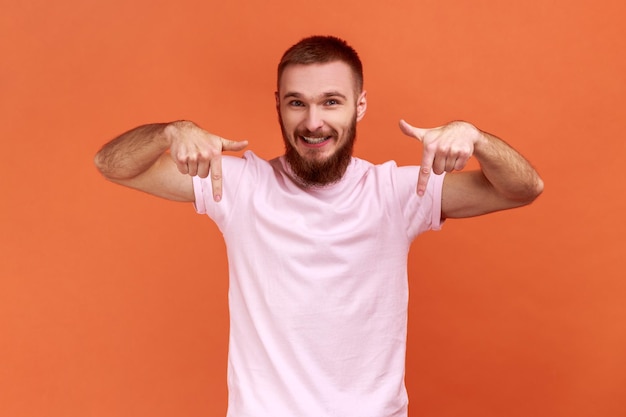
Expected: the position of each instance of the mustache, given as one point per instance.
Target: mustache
(317, 133)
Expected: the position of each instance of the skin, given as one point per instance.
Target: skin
(140, 159)
(320, 101)
(505, 179)
(317, 99)
(318, 109)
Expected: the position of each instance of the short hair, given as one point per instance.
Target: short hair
(321, 50)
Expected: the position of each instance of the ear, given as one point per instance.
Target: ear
(361, 106)
(277, 100)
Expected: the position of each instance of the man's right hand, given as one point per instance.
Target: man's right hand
(198, 152)
(140, 159)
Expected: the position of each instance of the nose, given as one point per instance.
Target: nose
(314, 119)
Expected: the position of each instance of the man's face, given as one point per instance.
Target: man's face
(318, 109)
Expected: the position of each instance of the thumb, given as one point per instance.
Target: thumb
(233, 145)
(412, 131)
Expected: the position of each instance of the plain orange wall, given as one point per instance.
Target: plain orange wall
(113, 303)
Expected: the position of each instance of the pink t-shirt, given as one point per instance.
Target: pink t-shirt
(318, 286)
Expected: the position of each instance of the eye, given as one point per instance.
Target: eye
(296, 103)
(332, 102)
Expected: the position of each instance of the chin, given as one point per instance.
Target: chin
(316, 166)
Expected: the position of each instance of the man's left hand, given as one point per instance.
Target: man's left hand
(446, 148)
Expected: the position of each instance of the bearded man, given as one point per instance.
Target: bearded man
(318, 239)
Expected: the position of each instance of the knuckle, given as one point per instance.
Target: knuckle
(430, 146)
(180, 156)
(444, 148)
(204, 154)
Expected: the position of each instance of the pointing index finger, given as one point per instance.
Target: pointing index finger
(425, 170)
(216, 178)
(428, 157)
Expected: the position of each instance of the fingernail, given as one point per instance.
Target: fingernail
(217, 198)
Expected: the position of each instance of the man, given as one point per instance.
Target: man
(317, 239)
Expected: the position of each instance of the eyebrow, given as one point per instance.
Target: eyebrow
(294, 94)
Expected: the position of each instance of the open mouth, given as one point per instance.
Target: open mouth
(315, 140)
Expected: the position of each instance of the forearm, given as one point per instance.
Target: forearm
(508, 172)
(133, 152)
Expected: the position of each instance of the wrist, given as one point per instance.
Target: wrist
(481, 141)
(176, 129)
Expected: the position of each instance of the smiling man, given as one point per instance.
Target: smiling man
(319, 105)
(318, 239)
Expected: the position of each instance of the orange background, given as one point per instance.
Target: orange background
(113, 303)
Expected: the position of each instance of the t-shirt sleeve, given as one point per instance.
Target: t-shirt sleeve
(421, 213)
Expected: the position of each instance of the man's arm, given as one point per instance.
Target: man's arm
(161, 158)
(505, 180)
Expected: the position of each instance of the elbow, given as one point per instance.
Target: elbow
(538, 187)
(100, 162)
(524, 193)
(104, 166)
(533, 189)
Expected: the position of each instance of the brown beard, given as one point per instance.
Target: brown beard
(312, 172)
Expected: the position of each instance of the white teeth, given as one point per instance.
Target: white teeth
(314, 141)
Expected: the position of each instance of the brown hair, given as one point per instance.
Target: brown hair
(320, 50)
